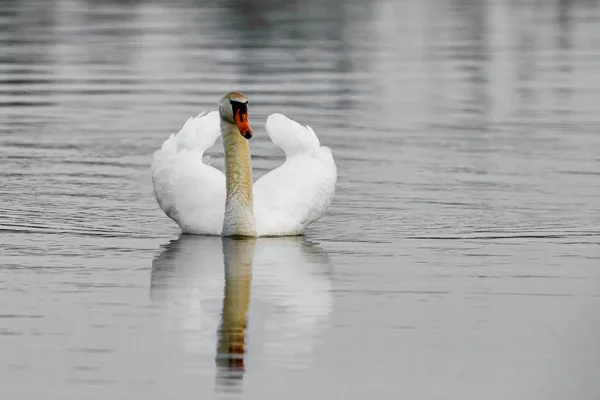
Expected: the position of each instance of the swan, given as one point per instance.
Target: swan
(204, 201)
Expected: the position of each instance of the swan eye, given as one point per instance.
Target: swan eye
(238, 105)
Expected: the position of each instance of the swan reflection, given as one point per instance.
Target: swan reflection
(210, 288)
(238, 255)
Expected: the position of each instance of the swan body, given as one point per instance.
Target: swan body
(203, 200)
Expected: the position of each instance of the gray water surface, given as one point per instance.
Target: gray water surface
(460, 258)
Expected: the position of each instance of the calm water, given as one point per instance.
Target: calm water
(460, 258)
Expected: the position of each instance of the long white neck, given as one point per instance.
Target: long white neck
(239, 212)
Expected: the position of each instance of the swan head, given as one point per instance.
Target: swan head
(233, 108)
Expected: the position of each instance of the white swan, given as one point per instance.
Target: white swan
(202, 200)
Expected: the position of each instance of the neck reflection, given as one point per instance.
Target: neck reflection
(237, 255)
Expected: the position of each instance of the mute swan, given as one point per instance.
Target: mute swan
(202, 200)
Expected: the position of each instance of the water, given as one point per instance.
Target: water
(459, 259)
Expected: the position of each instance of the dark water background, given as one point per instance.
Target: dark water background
(460, 258)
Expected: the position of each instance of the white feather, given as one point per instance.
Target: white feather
(188, 191)
(286, 200)
(297, 193)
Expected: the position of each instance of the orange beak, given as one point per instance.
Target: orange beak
(241, 120)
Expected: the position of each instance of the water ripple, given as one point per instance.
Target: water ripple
(463, 238)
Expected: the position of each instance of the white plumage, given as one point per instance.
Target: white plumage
(286, 200)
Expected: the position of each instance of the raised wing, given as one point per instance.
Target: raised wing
(189, 191)
(297, 193)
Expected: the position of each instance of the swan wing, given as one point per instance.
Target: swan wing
(187, 190)
(297, 193)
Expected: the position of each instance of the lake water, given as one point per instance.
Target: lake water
(460, 258)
